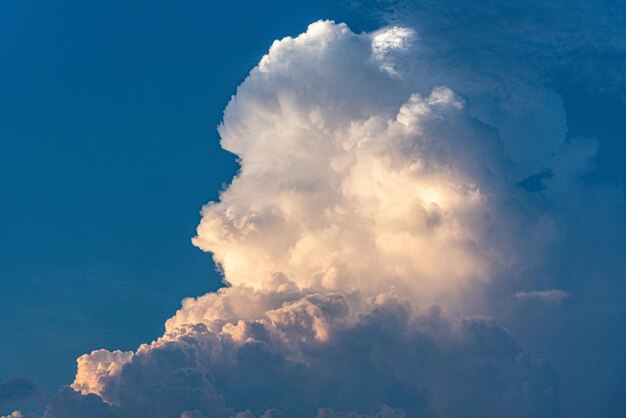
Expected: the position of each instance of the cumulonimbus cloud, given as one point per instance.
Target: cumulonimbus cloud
(368, 200)
(378, 197)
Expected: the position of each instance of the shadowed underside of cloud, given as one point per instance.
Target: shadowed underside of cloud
(378, 199)
(387, 361)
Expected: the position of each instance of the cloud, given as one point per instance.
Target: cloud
(379, 206)
(371, 208)
(18, 414)
(68, 403)
(394, 185)
(512, 61)
(96, 367)
(418, 365)
(548, 296)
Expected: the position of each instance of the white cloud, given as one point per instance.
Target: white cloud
(549, 296)
(369, 198)
(376, 206)
(18, 414)
(351, 182)
(390, 44)
(96, 368)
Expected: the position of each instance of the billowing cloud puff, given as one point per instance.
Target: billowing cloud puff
(371, 209)
(387, 360)
(100, 365)
(351, 179)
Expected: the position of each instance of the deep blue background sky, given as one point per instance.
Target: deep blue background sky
(108, 150)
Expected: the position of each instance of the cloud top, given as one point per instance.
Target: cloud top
(351, 182)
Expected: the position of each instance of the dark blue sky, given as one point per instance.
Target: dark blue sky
(109, 148)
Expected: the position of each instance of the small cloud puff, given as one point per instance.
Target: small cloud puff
(548, 296)
(18, 414)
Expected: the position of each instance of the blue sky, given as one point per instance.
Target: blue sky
(109, 149)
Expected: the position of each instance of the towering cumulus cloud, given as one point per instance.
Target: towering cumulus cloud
(373, 207)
